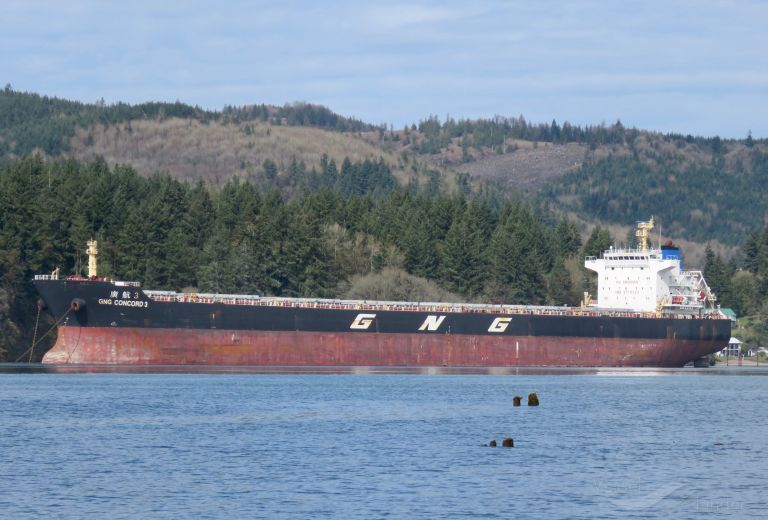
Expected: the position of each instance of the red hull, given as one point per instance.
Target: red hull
(126, 346)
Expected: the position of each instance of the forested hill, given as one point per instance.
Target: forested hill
(698, 188)
(280, 146)
(714, 191)
(30, 121)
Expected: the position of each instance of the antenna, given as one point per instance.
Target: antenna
(659, 235)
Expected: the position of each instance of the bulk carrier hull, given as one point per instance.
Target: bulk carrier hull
(104, 322)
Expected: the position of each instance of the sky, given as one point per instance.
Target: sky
(689, 67)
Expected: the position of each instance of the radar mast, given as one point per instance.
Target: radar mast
(643, 234)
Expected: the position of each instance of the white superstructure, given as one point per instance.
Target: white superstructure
(648, 280)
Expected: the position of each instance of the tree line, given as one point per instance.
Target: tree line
(296, 114)
(493, 133)
(30, 121)
(368, 176)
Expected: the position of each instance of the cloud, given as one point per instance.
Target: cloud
(400, 62)
(395, 17)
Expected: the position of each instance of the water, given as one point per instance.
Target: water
(636, 444)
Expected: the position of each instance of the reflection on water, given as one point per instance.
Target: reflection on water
(38, 368)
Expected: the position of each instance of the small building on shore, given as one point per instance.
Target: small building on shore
(733, 349)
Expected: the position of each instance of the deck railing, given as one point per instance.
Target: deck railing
(46, 277)
(368, 305)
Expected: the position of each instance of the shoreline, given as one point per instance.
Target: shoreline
(737, 362)
(40, 368)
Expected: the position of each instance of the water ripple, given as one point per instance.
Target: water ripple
(222, 445)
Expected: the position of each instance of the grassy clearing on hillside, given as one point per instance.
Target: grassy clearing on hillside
(528, 167)
(189, 149)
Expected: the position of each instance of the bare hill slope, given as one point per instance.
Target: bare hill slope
(190, 149)
(528, 167)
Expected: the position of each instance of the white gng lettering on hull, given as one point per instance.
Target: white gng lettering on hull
(362, 321)
(432, 322)
(499, 325)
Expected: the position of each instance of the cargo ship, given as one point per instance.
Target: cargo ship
(649, 311)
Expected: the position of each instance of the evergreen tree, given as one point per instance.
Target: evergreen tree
(215, 272)
(516, 274)
(270, 170)
(568, 238)
(718, 275)
(599, 241)
(560, 287)
(465, 260)
(308, 266)
(751, 251)
(417, 244)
